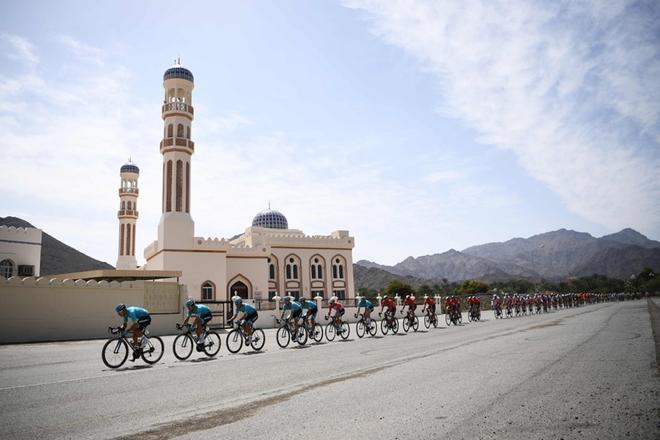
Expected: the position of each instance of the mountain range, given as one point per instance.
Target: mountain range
(553, 255)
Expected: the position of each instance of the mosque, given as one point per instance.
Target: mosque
(268, 259)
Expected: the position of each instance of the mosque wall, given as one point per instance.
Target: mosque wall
(21, 246)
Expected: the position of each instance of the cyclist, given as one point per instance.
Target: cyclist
(390, 313)
(295, 311)
(476, 307)
(368, 308)
(334, 304)
(429, 307)
(201, 314)
(140, 321)
(248, 316)
(312, 310)
(496, 304)
(412, 305)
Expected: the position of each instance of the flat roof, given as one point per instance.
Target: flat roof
(119, 275)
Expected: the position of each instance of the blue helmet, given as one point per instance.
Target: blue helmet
(237, 300)
(120, 307)
(190, 303)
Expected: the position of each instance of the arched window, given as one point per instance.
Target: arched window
(292, 269)
(123, 206)
(188, 132)
(170, 130)
(317, 269)
(271, 272)
(6, 268)
(179, 131)
(129, 205)
(208, 291)
(338, 269)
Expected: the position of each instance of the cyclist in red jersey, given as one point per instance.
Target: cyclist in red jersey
(411, 304)
(390, 305)
(429, 304)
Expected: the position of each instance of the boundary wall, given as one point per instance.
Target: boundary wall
(43, 309)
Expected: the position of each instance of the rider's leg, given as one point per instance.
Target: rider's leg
(198, 327)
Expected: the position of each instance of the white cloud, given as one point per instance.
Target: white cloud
(21, 49)
(570, 87)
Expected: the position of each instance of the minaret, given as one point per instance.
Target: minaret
(176, 227)
(127, 215)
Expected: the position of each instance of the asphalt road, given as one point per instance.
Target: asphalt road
(585, 373)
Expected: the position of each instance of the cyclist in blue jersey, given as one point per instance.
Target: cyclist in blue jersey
(248, 316)
(201, 314)
(368, 308)
(312, 309)
(295, 311)
(140, 321)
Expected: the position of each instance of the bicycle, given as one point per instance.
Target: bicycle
(453, 316)
(285, 333)
(115, 350)
(389, 323)
(410, 321)
(430, 318)
(316, 332)
(183, 344)
(474, 315)
(336, 327)
(498, 312)
(361, 327)
(237, 336)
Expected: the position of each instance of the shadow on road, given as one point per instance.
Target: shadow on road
(131, 368)
(250, 353)
(204, 359)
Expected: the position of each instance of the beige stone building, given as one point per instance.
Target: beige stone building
(20, 251)
(268, 259)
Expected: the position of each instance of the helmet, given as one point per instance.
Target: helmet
(385, 297)
(120, 307)
(287, 299)
(301, 299)
(190, 303)
(237, 300)
(332, 300)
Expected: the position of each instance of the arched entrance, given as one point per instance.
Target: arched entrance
(239, 288)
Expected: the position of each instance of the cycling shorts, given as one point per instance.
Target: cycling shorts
(206, 318)
(142, 323)
(250, 318)
(295, 314)
(312, 312)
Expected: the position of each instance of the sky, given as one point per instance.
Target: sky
(419, 126)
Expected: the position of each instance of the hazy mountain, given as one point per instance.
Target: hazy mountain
(57, 257)
(632, 237)
(552, 255)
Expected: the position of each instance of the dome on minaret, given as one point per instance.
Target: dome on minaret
(129, 167)
(270, 218)
(178, 71)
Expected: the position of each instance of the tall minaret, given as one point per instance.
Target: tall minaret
(176, 227)
(127, 215)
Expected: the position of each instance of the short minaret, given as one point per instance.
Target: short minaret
(176, 227)
(127, 215)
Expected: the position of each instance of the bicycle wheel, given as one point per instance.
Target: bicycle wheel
(302, 335)
(183, 346)
(448, 318)
(317, 333)
(372, 328)
(383, 326)
(154, 350)
(415, 324)
(114, 352)
(427, 321)
(258, 339)
(460, 318)
(330, 331)
(212, 344)
(435, 321)
(283, 337)
(360, 329)
(406, 324)
(395, 326)
(345, 330)
(234, 341)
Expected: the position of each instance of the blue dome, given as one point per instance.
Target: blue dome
(270, 219)
(177, 71)
(130, 168)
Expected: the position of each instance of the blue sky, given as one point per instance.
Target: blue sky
(419, 126)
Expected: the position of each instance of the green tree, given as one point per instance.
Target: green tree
(473, 286)
(425, 289)
(398, 287)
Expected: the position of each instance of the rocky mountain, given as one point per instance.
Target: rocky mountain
(552, 255)
(57, 257)
(376, 278)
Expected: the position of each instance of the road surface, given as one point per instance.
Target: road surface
(584, 373)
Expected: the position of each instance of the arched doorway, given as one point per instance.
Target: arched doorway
(239, 288)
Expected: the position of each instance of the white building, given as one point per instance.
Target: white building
(267, 259)
(20, 251)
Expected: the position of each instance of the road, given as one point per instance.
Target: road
(587, 373)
